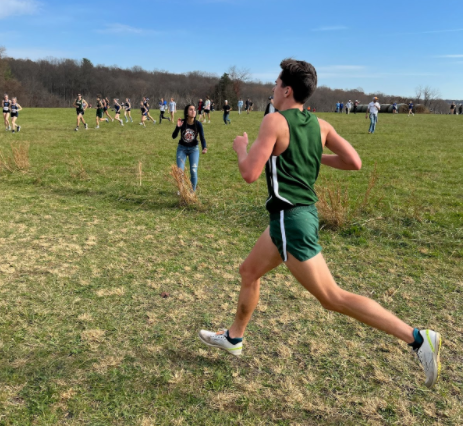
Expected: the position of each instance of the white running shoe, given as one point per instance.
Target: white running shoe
(76, 129)
(154, 121)
(97, 127)
(107, 120)
(18, 128)
(122, 124)
(209, 121)
(220, 341)
(112, 120)
(86, 126)
(428, 354)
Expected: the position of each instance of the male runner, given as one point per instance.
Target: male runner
(80, 105)
(290, 146)
(99, 112)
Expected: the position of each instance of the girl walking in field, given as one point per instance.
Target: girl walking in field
(189, 129)
(15, 108)
(117, 109)
(6, 112)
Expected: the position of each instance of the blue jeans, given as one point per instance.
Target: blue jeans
(225, 118)
(373, 121)
(193, 153)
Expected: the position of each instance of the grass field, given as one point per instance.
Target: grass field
(86, 251)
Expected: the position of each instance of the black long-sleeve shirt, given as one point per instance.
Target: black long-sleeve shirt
(189, 134)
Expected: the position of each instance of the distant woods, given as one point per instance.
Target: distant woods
(56, 82)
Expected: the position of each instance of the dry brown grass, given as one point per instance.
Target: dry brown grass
(76, 169)
(336, 207)
(18, 160)
(187, 195)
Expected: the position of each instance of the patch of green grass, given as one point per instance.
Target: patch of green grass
(86, 251)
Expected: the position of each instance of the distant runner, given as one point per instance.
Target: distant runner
(80, 105)
(15, 108)
(6, 112)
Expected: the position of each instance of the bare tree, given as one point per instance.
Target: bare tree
(427, 96)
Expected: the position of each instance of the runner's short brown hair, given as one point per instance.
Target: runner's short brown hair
(300, 76)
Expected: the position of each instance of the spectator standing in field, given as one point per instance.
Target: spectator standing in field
(172, 109)
(240, 105)
(15, 108)
(270, 107)
(460, 109)
(338, 105)
(226, 113)
(394, 108)
(356, 104)
(162, 110)
(207, 110)
(452, 107)
(341, 107)
(99, 112)
(373, 109)
(348, 107)
(6, 111)
(80, 105)
(290, 147)
(189, 129)
(200, 110)
(410, 108)
(246, 105)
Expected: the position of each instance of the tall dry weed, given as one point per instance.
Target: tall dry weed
(77, 170)
(18, 160)
(335, 205)
(187, 195)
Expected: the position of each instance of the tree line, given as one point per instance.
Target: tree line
(55, 83)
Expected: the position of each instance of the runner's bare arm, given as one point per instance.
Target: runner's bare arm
(252, 163)
(345, 156)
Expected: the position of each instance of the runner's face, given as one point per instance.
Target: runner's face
(278, 93)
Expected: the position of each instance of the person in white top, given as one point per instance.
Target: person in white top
(373, 109)
(172, 109)
(348, 106)
(207, 110)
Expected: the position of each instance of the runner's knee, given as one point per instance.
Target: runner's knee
(334, 300)
(248, 272)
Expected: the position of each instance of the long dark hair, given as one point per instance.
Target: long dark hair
(185, 118)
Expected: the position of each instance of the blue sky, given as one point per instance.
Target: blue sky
(386, 46)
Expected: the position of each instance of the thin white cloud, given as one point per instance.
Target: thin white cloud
(18, 7)
(124, 29)
(450, 56)
(332, 28)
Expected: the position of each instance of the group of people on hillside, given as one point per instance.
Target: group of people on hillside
(11, 110)
(456, 110)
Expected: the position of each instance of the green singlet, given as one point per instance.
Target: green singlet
(80, 106)
(290, 180)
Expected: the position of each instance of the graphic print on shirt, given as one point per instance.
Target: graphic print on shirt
(189, 135)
